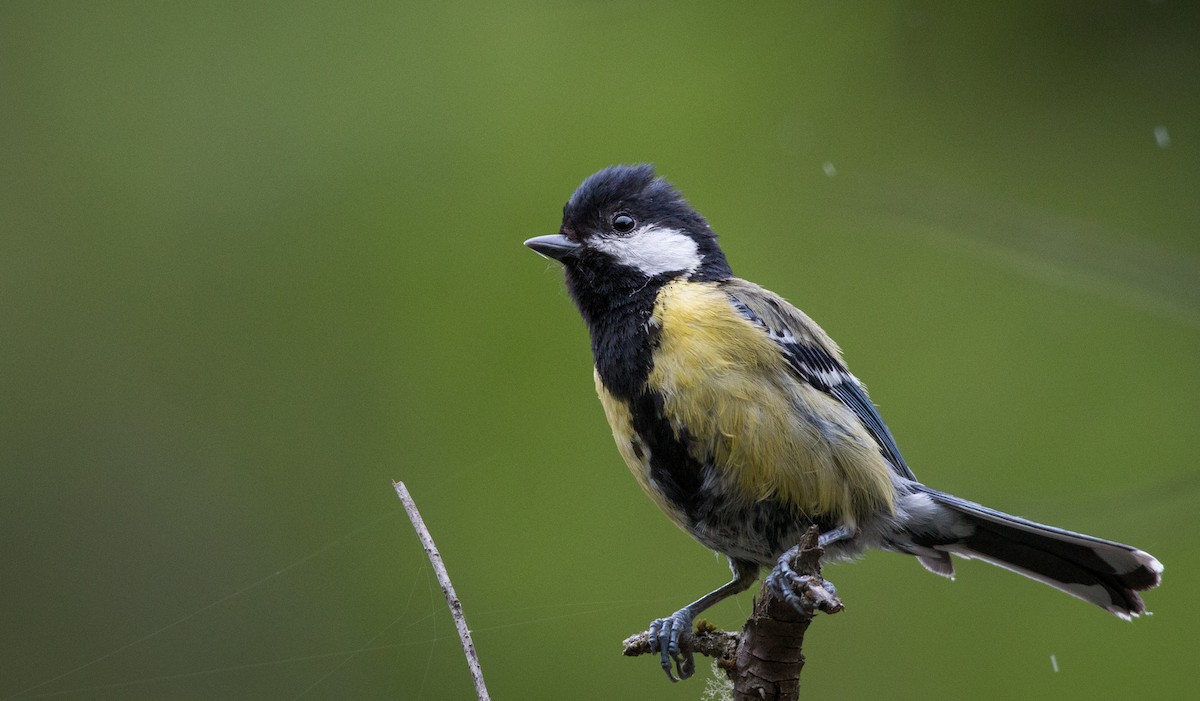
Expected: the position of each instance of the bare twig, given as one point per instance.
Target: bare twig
(435, 558)
(764, 660)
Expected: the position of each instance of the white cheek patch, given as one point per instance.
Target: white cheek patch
(652, 250)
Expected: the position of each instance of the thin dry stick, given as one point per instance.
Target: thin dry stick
(435, 558)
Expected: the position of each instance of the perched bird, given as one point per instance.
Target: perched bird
(738, 417)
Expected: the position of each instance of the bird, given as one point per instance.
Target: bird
(738, 417)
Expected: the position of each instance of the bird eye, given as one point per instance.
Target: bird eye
(623, 223)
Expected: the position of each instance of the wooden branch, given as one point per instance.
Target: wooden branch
(764, 660)
(769, 657)
(720, 645)
(435, 559)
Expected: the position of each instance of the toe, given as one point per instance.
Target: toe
(685, 664)
(665, 635)
(662, 639)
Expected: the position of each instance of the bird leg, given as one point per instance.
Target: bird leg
(666, 632)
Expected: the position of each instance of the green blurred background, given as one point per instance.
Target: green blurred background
(258, 261)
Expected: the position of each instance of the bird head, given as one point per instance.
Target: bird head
(626, 224)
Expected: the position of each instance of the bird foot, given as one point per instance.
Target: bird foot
(806, 592)
(664, 639)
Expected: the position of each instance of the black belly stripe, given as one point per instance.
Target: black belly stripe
(673, 470)
(758, 530)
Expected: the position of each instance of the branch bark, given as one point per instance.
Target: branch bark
(764, 660)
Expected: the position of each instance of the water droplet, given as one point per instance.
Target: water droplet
(1161, 136)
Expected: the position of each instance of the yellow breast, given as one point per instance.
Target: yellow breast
(768, 435)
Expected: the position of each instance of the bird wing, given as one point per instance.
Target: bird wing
(814, 358)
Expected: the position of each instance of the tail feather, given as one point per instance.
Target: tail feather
(1099, 571)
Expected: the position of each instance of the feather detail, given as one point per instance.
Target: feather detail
(815, 358)
(769, 434)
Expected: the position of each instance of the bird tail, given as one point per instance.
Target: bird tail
(1099, 571)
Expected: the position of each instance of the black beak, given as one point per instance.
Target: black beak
(554, 246)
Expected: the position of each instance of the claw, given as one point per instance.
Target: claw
(786, 584)
(664, 639)
(798, 589)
